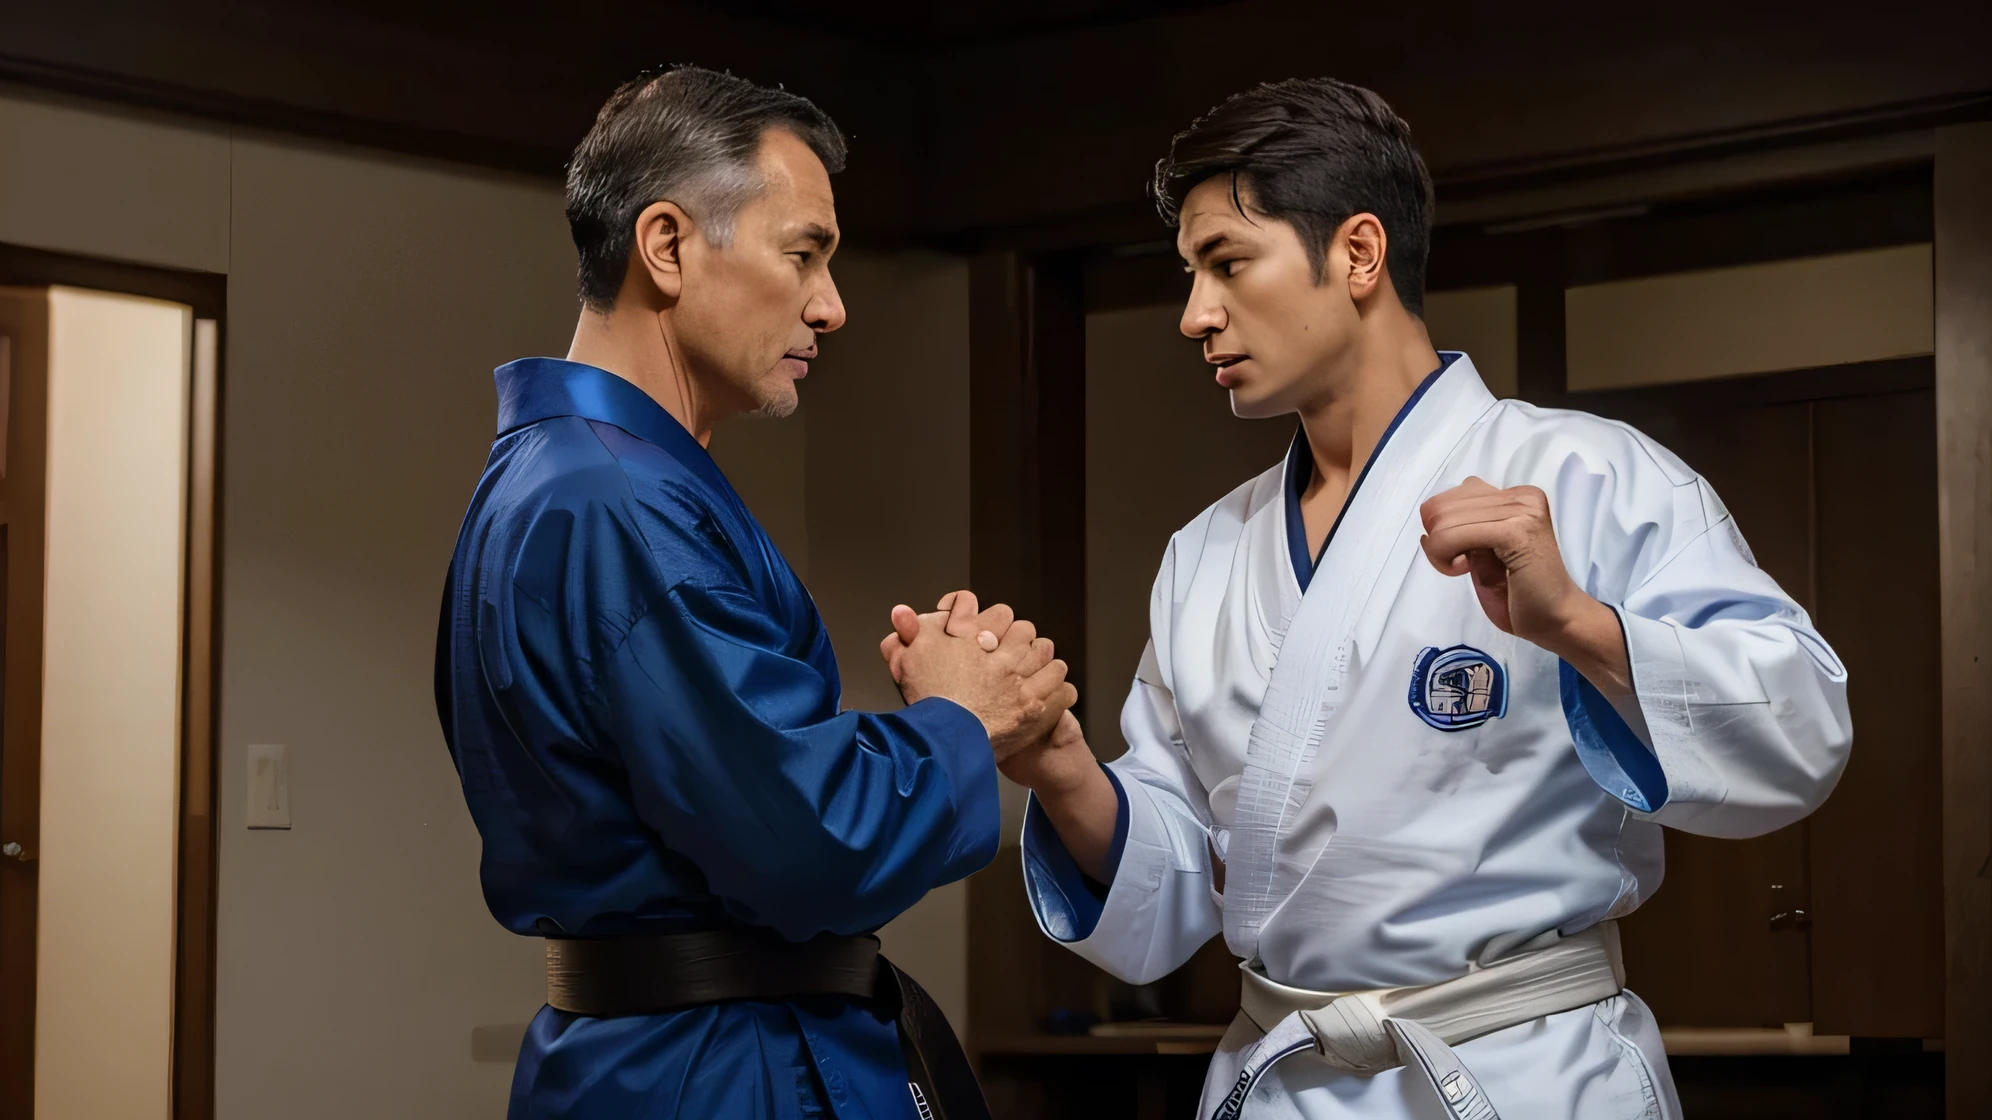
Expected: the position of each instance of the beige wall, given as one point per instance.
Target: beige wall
(369, 300)
(109, 184)
(1759, 318)
(1161, 445)
(117, 432)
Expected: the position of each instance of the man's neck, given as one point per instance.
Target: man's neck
(1347, 422)
(636, 344)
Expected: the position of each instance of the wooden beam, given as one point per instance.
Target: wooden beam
(1057, 378)
(1027, 442)
(1964, 526)
(205, 292)
(1027, 547)
(1540, 360)
(1001, 523)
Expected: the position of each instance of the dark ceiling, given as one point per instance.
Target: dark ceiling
(941, 23)
(978, 120)
(927, 23)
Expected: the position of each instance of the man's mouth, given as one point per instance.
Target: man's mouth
(796, 362)
(1225, 363)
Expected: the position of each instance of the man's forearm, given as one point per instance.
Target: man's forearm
(1595, 646)
(1593, 642)
(1084, 811)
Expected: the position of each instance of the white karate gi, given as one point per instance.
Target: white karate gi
(1367, 844)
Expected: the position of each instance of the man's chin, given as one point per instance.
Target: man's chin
(778, 402)
(1248, 405)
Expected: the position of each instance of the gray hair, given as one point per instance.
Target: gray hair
(686, 135)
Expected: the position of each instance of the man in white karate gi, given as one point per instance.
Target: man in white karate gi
(1418, 699)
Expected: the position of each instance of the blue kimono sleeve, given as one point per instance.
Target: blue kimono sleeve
(803, 818)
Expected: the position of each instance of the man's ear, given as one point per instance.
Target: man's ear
(661, 232)
(1363, 238)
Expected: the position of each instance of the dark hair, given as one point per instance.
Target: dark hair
(685, 135)
(1313, 152)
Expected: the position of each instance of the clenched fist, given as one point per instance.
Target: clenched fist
(1506, 541)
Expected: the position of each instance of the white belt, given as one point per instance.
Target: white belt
(1371, 1031)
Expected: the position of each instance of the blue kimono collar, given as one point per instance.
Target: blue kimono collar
(534, 389)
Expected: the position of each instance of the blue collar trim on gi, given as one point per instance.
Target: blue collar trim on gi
(1300, 469)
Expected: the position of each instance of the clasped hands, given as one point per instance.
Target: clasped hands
(998, 667)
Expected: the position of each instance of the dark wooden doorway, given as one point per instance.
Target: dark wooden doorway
(1837, 920)
(21, 500)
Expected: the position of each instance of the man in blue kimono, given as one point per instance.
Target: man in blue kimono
(641, 699)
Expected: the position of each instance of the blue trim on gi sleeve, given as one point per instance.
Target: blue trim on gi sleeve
(1120, 826)
(1069, 902)
(1614, 757)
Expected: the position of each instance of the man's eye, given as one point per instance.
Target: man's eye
(1231, 267)
(803, 255)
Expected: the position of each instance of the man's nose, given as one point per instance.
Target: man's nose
(1203, 314)
(825, 312)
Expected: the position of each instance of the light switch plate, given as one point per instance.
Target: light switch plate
(269, 786)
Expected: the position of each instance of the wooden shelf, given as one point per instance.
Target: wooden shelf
(1680, 1043)
(1056, 1045)
(1795, 1038)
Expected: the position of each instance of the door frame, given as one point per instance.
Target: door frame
(196, 874)
(1963, 265)
(20, 733)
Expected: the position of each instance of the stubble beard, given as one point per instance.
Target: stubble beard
(777, 401)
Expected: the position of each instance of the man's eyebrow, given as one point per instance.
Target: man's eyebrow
(823, 236)
(1207, 246)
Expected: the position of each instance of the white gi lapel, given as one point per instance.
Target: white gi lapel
(1307, 684)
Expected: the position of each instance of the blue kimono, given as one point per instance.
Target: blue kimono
(645, 711)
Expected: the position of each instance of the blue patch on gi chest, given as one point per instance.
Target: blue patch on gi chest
(1458, 687)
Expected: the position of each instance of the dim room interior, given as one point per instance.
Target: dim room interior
(258, 262)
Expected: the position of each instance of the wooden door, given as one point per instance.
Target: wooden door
(25, 278)
(1877, 844)
(24, 325)
(1836, 920)
(1721, 895)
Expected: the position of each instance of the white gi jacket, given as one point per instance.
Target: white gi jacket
(1399, 790)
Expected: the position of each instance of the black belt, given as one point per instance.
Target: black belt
(619, 976)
